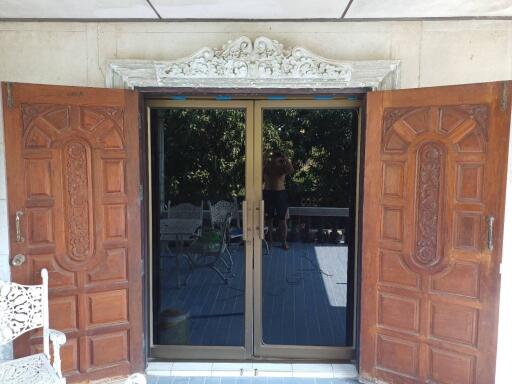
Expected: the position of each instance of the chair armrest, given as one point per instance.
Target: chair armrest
(58, 339)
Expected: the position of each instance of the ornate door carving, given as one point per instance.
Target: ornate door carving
(435, 171)
(73, 171)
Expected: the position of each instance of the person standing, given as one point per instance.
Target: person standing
(275, 196)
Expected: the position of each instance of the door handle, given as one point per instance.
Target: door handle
(18, 260)
(490, 233)
(19, 238)
(244, 220)
(262, 219)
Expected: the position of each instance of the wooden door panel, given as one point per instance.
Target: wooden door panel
(68, 150)
(434, 173)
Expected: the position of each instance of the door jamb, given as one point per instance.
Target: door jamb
(148, 93)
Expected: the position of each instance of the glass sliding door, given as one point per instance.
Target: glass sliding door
(253, 228)
(201, 174)
(306, 179)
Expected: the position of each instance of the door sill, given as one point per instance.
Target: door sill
(215, 369)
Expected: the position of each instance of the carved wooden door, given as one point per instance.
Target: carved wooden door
(434, 176)
(73, 199)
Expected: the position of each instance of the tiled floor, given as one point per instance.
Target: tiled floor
(304, 299)
(252, 369)
(245, 380)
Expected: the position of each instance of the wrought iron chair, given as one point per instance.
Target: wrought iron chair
(182, 226)
(218, 212)
(24, 308)
(208, 250)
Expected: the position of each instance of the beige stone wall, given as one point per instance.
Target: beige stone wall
(432, 52)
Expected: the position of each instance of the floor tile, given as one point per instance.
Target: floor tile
(212, 380)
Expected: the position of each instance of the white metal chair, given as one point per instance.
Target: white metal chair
(24, 308)
(182, 226)
(218, 212)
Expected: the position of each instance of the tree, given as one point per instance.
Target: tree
(205, 153)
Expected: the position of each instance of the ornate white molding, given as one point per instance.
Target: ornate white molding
(263, 64)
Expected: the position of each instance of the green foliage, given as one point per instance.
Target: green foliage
(205, 153)
(321, 144)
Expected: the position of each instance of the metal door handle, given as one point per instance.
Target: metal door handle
(19, 238)
(490, 234)
(244, 220)
(18, 260)
(262, 219)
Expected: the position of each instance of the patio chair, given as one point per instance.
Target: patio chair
(208, 251)
(182, 226)
(218, 212)
(24, 308)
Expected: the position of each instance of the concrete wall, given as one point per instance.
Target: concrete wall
(432, 53)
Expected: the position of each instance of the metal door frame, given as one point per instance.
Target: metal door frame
(308, 352)
(197, 352)
(252, 349)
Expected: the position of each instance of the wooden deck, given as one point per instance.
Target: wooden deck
(304, 298)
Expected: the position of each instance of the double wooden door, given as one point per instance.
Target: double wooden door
(433, 202)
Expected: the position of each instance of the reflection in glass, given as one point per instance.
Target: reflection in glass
(307, 275)
(198, 172)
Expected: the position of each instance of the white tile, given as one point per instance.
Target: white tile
(312, 370)
(274, 374)
(272, 367)
(159, 368)
(344, 371)
(191, 366)
(186, 373)
(428, 8)
(76, 9)
(250, 9)
(232, 369)
(231, 366)
(220, 373)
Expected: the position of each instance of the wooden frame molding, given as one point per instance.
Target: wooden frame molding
(262, 63)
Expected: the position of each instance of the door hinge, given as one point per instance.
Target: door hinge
(504, 97)
(141, 192)
(10, 98)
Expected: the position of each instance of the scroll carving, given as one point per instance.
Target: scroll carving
(78, 202)
(480, 113)
(429, 187)
(55, 116)
(258, 63)
(392, 115)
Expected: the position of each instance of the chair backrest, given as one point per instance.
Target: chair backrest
(219, 210)
(183, 218)
(186, 211)
(23, 308)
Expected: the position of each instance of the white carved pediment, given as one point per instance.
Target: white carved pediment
(264, 63)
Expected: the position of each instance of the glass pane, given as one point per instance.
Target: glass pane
(198, 173)
(309, 168)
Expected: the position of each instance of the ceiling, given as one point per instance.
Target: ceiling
(252, 9)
